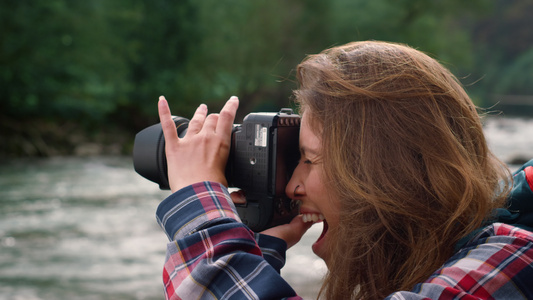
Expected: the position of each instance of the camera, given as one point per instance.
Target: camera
(264, 152)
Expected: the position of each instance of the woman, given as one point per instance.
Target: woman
(393, 162)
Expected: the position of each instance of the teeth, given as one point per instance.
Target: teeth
(312, 217)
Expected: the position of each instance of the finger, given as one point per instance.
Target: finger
(291, 233)
(167, 124)
(227, 116)
(210, 123)
(238, 197)
(197, 121)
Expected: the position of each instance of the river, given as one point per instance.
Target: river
(84, 228)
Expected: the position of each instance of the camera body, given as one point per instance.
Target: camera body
(264, 152)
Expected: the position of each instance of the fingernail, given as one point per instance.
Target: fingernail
(234, 98)
(162, 102)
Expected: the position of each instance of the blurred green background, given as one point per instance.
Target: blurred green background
(82, 77)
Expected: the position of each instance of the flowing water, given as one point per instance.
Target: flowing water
(84, 228)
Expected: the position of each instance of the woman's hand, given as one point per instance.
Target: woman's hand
(291, 233)
(201, 155)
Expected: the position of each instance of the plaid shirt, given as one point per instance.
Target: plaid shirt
(214, 256)
(496, 264)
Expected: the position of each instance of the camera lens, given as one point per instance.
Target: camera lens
(149, 158)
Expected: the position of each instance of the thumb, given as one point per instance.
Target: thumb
(291, 233)
(238, 197)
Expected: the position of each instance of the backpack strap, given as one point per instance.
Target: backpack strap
(519, 209)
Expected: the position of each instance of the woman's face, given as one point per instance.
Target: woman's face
(307, 185)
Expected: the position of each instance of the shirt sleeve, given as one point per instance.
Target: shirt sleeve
(497, 264)
(212, 255)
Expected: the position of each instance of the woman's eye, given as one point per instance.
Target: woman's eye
(307, 161)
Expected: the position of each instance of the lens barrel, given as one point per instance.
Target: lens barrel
(149, 159)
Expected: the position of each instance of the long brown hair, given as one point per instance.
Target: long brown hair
(404, 151)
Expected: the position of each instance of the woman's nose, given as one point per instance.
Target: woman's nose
(294, 187)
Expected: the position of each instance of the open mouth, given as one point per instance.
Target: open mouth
(316, 218)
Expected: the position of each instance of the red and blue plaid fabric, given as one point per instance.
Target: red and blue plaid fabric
(496, 264)
(212, 255)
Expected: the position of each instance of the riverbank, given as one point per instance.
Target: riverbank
(49, 138)
(511, 138)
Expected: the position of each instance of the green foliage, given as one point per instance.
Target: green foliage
(502, 51)
(517, 78)
(58, 59)
(99, 62)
